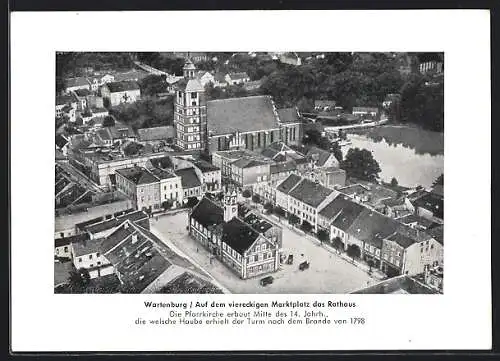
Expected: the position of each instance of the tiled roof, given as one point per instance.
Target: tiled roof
(431, 202)
(82, 92)
(156, 133)
(242, 114)
(321, 155)
(162, 174)
(65, 99)
(364, 109)
(283, 167)
(413, 218)
(73, 82)
(238, 76)
(90, 246)
(188, 177)
(372, 227)
(248, 163)
(437, 233)
(205, 166)
(163, 162)
(341, 205)
(189, 85)
(138, 175)
(288, 115)
(72, 239)
(238, 235)
(121, 86)
(401, 239)
(287, 185)
(61, 141)
(310, 193)
(208, 213)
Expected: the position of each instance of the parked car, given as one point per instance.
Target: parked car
(266, 280)
(304, 265)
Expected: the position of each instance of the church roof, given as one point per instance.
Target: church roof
(243, 114)
(190, 85)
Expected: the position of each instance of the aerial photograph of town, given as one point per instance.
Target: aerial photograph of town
(249, 172)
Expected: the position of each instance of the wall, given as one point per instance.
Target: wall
(254, 175)
(421, 254)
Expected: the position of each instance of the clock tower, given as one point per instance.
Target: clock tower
(230, 204)
(190, 111)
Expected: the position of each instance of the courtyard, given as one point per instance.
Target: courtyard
(328, 273)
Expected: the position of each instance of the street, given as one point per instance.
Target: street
(328, 273)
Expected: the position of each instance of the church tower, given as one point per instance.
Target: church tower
(230, 204)
(190, 111)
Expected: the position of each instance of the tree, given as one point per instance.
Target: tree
(306, 226)
(246, 193)
(78, 280)
(439, 180)
(293, 219)
(353, 251)
(280, 212)
(323, 235)
(192, 201)
(370, 264)
(256, 198)
(132, 149)
(359, 163)
(108, 121)
(167, 204)
(268, 206)
(338, 244)
(394, 182)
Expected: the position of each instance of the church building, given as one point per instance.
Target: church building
(251, 123)
(244, 242)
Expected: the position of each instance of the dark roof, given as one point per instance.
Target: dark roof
(240, 75)
(103, 225)
(242, 114)
(162, 174)
(287, 185)
(437, 233)
(432, 202)
(347, 215)
(121, 86)
(156, 133)
(138, 175)
(310, 193)
(61, 141)
(238, 235)
(87, 247)
(208, 213)
(188, 177)
(438, 189)
(321, 155)
(248, 163)
(258, 224)
(72, 82)
(372, 227)
(65, 99)
(414, 218)
(283, 167)
(342, 206)
(205, 166)
(288, 115)
(163, 162)
(401, 239)
(325, 103)
(82, 92)
(72, 239)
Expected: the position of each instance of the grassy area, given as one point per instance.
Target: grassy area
(421, 140)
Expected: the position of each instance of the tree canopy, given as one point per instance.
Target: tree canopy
(360, 164)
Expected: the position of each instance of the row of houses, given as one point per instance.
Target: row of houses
(124, 247)
(405, 245)
(161, 184)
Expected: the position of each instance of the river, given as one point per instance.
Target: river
(412, 155)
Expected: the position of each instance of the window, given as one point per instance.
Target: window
(91, 265)
(99, 263)
(65, 248)
(61, 234)
(80, 259)
(257, 248)
(194, 95)
(256, 258)
(264, 247)
(90, 256)
(97, 254)
(432, 246)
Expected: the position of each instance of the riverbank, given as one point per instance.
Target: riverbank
(409, 136)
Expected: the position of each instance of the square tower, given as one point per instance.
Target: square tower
(190, 111)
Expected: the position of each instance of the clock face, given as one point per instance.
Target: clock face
(234, 209)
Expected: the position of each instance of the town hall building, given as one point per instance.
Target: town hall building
(247, 244)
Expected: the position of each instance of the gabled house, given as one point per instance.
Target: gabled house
(250, 246)
(236, 78)
(322, 158)
(121, 92)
